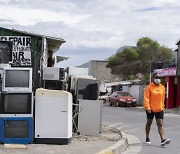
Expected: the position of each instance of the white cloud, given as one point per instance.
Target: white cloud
(95, 24)
(28, 16)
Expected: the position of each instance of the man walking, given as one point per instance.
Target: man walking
(154, 96)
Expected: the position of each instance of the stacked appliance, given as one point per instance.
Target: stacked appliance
(53, 109)
(54, 78)
(87, 109)
(53, 116)
(16, 105)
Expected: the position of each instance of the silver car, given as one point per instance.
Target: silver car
(105, 98)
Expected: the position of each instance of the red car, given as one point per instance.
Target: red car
(120, 98)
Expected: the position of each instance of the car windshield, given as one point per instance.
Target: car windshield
(124, 94)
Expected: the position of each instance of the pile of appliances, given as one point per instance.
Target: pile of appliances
(16, 105)
(53, 109)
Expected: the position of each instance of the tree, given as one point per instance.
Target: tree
(131, 61)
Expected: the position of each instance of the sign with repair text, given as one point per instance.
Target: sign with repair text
(21, 54)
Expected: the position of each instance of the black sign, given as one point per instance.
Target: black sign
(21, 52)
(5, 52)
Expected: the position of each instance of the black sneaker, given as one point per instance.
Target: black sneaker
(148, 141)
(165, 141)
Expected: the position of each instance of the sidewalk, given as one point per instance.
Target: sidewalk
(110, 140)
(173, 110)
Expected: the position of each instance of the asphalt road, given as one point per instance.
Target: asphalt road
(132, 121)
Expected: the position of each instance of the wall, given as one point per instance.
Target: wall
(178, 74)
(178, 60)
(178, 93)
(137, 91)
(98, 69)
(170, 92)
(87, 65)
(101, 72)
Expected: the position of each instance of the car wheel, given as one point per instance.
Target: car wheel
(104, 101)
(110, 103)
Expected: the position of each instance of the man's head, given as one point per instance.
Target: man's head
(156, 78)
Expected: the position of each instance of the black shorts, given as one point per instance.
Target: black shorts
(158, 115)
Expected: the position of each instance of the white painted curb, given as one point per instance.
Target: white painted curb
(117, 148)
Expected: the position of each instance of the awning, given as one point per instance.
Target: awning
(54, 43)
(61, 58)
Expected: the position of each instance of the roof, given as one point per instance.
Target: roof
(54, 43)
(177, 43)
(176, 50)
(61, 58)
(127, 82)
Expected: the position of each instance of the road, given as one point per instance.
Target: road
(132, 121)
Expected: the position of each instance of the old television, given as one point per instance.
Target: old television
(16, 79)
(87, 89)
(16, 130)
(16, 104)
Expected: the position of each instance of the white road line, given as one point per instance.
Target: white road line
(122, 127)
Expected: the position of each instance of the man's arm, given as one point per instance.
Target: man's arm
(147, 100)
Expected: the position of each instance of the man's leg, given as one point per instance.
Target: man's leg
(148, 127)
(159, 123)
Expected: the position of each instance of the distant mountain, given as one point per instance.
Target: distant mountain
(121, 49)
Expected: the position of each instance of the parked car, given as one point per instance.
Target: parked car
(120, 98)
(104, 98)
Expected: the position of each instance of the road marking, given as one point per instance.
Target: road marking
(122, 127)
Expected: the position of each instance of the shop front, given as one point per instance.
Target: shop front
(172, 85)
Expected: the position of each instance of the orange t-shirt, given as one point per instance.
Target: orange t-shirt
(154, 96)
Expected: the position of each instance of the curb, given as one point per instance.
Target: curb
(117, 148)
(127, 144)
(134, 144)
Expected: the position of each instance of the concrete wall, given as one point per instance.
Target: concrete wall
(98, 69)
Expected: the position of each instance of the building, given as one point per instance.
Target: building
(32, 50)
(171, 80)
(98, 69)
(178, 73)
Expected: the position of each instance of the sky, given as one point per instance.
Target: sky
(94, 29)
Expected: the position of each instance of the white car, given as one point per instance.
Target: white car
(104, 98)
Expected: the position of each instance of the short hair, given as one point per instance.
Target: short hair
(154, 74)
